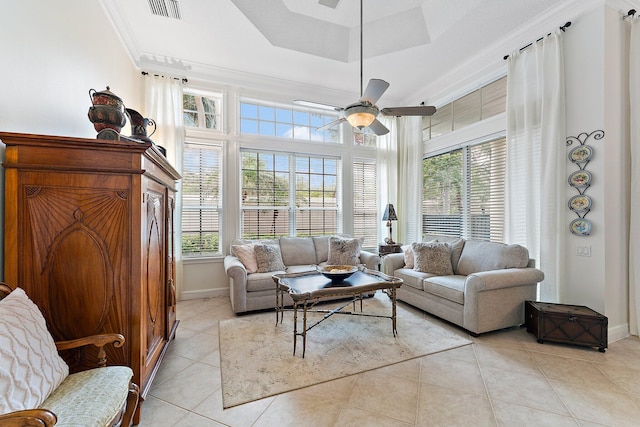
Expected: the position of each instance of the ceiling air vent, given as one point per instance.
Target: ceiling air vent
(166, 8)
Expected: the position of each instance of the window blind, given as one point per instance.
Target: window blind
(463, 192)
(286, 194)
(201, 199)
(365, 207)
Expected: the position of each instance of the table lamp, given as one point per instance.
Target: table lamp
(389, 215)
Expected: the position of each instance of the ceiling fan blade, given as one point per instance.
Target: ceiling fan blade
(332, 124)
(378, 128)
(317, 105)
(375, 89)
(424, 110)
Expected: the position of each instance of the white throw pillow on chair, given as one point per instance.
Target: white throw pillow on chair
(30, 367)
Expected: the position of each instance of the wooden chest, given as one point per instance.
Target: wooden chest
(564, 323)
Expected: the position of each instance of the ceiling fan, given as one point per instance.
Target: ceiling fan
(364, 113)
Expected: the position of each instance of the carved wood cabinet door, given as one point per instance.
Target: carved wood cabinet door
(89, 237)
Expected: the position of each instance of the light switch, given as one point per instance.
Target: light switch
(583, 251)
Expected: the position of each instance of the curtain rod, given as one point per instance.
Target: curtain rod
(183, 79)
(563, 28)
(631, 13)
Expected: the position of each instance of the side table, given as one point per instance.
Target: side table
(385, 249)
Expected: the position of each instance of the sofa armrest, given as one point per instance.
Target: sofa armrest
(392, 262)
(237, 273)
(369, 259)
(499, 279)
(29, 417)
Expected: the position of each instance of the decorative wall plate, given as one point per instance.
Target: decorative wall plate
(580, 227)
(580, 203)
(581, 154)
(580, 179)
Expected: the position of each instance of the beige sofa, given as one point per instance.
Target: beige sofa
(251, 291)
(486, 291)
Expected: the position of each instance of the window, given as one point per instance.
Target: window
(202, 110)
(463, 192)
(364, 137)
(201, 199)
(365, 207)
(288, 194)
(268, 120)
(478, 105)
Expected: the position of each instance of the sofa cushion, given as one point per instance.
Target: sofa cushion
(269, 258)
(344, 251)
(411, 277)
(301, 268)
(455, 248)
(297, 250)
(447, 287)
(321, 244)
(432, 257)
(74, 402)
(31, 368)
(247, 256)
(485, 256)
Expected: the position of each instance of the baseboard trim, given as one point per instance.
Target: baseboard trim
(206, 293)
(618, 332)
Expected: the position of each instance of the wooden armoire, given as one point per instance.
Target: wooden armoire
(89, 237)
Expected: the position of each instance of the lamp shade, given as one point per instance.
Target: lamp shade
(389, 213)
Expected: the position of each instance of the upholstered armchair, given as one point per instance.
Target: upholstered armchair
(36, 388)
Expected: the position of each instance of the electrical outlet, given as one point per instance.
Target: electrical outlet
(583, 251)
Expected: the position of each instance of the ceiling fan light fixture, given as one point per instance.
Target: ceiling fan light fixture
(361, 116)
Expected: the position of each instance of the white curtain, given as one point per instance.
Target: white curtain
(409, 180)
(536, 179)
(634, 237)
(387, 173)
(163, 104)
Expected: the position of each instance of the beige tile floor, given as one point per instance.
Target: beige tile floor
(504, 378)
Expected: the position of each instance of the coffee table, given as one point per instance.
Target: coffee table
(309, 288)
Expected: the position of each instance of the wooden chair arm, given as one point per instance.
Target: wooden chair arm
(5, 289)
(29, 418)
(96, 340)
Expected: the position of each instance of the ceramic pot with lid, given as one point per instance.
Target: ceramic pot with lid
(107, 110)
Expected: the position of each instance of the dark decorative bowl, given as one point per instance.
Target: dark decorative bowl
(337, 273)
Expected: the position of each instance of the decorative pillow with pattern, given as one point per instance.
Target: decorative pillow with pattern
(247, 256)
(344, 251)
(31, 367)
(433, 258)
(269, 258)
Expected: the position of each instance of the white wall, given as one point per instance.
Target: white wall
(51, 54)
(595, 63)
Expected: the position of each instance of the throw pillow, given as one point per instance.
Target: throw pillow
(344, 251)
(268, 257)
(433, 258)
(247, 256)
(408, 256)
(31, 367)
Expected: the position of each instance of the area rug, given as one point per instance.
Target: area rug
(257, 358)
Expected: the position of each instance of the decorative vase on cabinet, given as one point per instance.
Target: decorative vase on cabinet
(89, 237)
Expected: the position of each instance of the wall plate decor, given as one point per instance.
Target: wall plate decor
(580, 203)
(580, 227)
(580, 154)
(580, 179)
